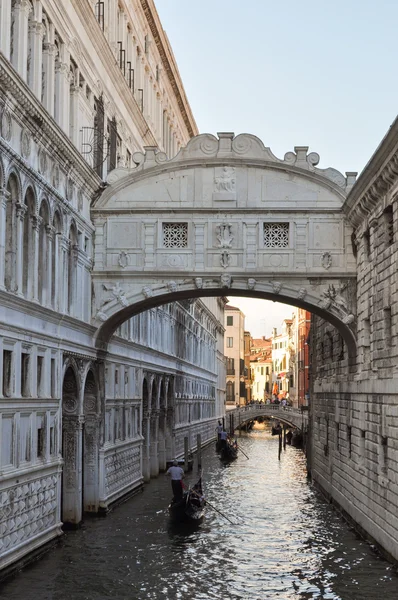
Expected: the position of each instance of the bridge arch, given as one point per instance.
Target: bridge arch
(224, 217)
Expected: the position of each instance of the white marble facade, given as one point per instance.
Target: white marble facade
(75, 423)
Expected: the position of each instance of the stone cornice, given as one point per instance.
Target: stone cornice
(104, 51)
(11, 82)
(377, 178)
(169, 64)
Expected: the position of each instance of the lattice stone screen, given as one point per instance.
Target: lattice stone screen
(175, 235)
(276, 235)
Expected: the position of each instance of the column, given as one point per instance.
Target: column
(57, 270)
(62, 95)
(146, 471)
(74, 112)
(153, 449)
(36, 222)
(47, 295)
(72, 452)
(21, 210)
(5, 28)
(19, 39)
(4, 195)
(36, 32)
(64, 273)
(49, 50)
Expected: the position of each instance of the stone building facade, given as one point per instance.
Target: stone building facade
(354, 414)
(84, 86)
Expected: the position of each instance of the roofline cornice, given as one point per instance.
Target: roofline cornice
(378, 176)
(169, 64)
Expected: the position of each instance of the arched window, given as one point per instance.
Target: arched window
(44, 258)
(56, 281)
(71, 268)
(28, 245)
(11, 234)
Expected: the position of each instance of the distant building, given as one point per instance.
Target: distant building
(248, 373)
(235, 355)
(303, 359)
(283, 360)
(261, 368)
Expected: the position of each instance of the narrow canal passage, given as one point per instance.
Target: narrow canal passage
(287, 543)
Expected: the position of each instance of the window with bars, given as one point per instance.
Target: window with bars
(99, 14)
(276, 235)
(389, 225)
(175, 235)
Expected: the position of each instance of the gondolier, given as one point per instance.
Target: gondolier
(177, 475)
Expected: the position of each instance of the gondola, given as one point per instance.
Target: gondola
(218, 446)
(228, 453)
(191, 507)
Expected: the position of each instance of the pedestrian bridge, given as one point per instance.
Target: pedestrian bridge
(292, 417)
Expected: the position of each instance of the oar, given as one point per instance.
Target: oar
(244, 453)
(216, 509)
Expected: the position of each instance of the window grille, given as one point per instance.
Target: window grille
(175, 235)
(389, 225)
(276, 235)
(130, 76)
(122, 58)
(99, 14)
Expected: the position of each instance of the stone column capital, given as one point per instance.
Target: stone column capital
(21, 210)
(49, 48)
(36, 222)
(50, 230)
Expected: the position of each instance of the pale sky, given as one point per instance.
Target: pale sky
(316, 73)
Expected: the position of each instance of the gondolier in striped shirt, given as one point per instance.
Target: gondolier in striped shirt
(177, 475)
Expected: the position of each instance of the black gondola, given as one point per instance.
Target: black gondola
(228, 453)
(191, 507)
(218, 446)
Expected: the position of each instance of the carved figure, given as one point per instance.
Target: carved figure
(226, 181)
(117, 292)
(225, 280)
(225, 259)
(251, 283)
(199, 283)
(172, 286)
(276, 287)
(123, 259)
(301, 294)
(148, 293)
(224, 235)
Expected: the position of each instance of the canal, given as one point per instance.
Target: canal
(286, 543)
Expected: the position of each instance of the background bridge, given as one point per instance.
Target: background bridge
(290, 416)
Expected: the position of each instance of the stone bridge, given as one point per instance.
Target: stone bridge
(224, 217)
(290, 416)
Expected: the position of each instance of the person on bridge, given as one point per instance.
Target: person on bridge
(177, 475)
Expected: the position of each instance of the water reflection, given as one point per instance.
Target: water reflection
(284, 543)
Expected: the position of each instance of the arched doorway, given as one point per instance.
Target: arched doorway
(71, 502)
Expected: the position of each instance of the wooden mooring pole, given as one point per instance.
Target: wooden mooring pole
(199, 450)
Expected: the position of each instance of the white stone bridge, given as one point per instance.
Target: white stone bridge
(292, 417)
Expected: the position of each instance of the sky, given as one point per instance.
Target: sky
(317, 73)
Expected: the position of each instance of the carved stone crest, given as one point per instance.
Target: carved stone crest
(123, 259)
(26, 143)
(224, 235)
(5, 125)
(326, 260)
